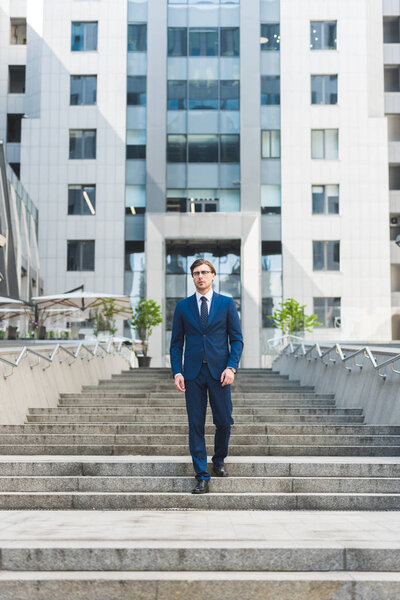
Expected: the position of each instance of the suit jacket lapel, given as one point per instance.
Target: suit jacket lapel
(195, 310)
(214, 307)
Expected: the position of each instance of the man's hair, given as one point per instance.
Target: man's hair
(201, 261)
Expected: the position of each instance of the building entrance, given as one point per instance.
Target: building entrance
(224, 255)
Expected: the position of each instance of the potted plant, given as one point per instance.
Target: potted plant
(146, 316)
(291, 318)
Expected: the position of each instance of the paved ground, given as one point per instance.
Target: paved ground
(195, 528)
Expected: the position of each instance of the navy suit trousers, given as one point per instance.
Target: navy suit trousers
(196, 406)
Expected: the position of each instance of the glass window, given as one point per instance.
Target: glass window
(203, 148)
(136, 144)
(270, 90)
(271, 256)
(17, 31)
(229, 94)
(203, 94)
(270, 37)
(326, 256)
(81, 199)
(83, 36)
(328, 311)
(230, 148)
(270, 199)
(271, 144)
(177, 41)
(230, 41)
(324, 143)
(391, 30)
(134, 256)
(14, 125)
(176, 148)
(324, 89)
(80, 255)
(176, 202)
(82, 143)
(135, 200)
(136, 94)
(392, 79)
(203, 42)
(83, 89)
(323, 35)
(269, 305)
(16, 79)
(137, 37)
(177, 94)
(325, 199)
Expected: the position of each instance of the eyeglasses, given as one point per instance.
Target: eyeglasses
(200, 273)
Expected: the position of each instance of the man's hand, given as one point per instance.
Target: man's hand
(180, 383)
(227, 377)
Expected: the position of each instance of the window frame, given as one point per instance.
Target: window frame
(324, 77)
(84, 77)
(323, 35)
(81, 248)
(270, 133)
(92, 199)
(83, 157)
(326, 308)
(325, 199)
(270, 94)
(266, 46)
(141, 25)
(327, 248)
(85, 39)
(324, 144)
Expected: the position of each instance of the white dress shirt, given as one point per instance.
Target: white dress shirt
(208, 296)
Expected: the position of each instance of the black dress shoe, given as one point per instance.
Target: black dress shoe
(219, 471)
(201, 487)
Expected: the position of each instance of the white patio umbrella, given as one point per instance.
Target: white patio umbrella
(11, 307)
(84, 301)
(10, 302)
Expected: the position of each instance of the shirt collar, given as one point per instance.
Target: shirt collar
(208, 296)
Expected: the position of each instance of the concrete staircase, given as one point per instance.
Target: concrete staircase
(122, 445)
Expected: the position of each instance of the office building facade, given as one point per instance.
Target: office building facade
(250, 132)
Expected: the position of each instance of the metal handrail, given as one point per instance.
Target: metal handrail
(341, 351)
(90, 354)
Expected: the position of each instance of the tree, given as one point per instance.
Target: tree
(292, 319)
(104, 316)
(146, 316)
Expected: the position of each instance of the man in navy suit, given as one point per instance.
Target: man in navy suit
(208, 324)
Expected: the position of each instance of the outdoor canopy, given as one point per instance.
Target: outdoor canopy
(84, 301)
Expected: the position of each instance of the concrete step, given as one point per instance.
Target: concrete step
(172, 394)
(80, 500)
(159, 411)
(176, 427)
(228, 485)
(170, 437)
(161, 585)
(178, 438)
(324, 467)
(180, 402)
(200, 557)
(290, 418)
(182, 450)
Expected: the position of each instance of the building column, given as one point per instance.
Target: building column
(251, 289)
(155, 284)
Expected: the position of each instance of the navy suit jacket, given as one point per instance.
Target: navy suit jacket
(221, 343)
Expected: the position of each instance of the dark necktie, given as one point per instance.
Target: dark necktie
(203, 312)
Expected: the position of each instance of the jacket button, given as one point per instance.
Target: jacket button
(204, 335)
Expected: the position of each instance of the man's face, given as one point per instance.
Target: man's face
(203, 278)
